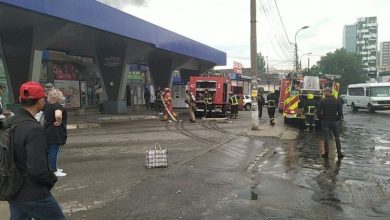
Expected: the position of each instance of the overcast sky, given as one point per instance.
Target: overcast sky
(224, 24)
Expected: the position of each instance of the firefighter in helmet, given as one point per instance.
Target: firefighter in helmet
(167, 99)
(208, 103)
(233, 100)
(310, 111)
(272, 100)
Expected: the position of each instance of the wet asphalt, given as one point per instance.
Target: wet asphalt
(217, 173)
(296, 183)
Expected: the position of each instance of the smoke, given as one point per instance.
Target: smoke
(123, 3)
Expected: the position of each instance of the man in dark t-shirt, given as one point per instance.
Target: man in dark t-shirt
(330, 112)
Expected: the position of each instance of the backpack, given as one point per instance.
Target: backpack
(11, 178)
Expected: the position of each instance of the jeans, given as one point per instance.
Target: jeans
(54, 149)
(326, 127)
(260, 111)
(42, 209)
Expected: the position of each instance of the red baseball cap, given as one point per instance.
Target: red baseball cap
(31, 90)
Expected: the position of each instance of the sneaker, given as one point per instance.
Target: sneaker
(325, 155)
(60, 170)
(340, 155)
(59, 174)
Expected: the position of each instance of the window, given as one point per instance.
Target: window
(356, 91)
(368, 91)
(383, 91)
(206, 85)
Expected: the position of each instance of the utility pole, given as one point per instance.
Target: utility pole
(296, 48)
(253, 42)
(296, 55)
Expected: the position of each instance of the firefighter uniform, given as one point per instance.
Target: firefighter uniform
(233, 100)
(272, 100)
(167, 99)
(191, 102)
(310, 111)
(208, 104)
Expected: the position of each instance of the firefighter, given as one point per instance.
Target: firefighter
(272, 99)
(260, 103)
(191, 102)
(167, 99)
(233, 100)
(310, 110)
(208, 103)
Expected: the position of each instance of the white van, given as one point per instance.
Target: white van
(371, 96)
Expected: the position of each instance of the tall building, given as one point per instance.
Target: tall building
(349, 38)
(385, 54)
(362, 38)
(366, 43)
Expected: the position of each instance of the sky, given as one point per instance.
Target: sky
(224, 25)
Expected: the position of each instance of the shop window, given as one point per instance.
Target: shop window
(64, 71)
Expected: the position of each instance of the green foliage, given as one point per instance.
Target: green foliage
(347, 65)
(313, 71)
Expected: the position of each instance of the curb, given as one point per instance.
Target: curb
(132, 117)
(85, 125)
(110, 118)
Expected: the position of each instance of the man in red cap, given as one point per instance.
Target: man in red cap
(33, 199)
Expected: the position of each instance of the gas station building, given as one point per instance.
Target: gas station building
(82, 45)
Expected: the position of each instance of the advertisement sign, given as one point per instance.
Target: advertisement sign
(71, 91)
(237, 67)
(234, 76)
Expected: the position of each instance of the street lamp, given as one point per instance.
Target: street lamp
(296, 47)
(300, 60)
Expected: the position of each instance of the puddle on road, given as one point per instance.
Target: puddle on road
(382, 147)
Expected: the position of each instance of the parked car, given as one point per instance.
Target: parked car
(247, 102)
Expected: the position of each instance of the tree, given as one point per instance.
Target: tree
(347, 65)
(260, 64)
(313, 71)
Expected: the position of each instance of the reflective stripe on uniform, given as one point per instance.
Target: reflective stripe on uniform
(234, 100)
(311, 110)
(271, 103)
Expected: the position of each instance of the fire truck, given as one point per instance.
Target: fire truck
(293, 94)
(218, 86)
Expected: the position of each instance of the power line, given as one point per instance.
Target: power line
(279, 38)
(281, 21)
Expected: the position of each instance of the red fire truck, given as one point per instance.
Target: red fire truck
(217, 86)
(294, 94)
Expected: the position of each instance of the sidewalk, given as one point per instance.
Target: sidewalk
(92, 117)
